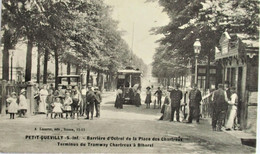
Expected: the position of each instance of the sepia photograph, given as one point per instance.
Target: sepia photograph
(129, 76)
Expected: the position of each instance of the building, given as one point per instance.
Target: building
(237, 59)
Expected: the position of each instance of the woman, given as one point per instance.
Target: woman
(138, 97)
(119, 98)
(233, 112)
(165, 108)
(148, 98)
(43, 97)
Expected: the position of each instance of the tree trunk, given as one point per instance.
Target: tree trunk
(88, 76)
(68, 71)
(45, 66)
(39, 64)
(5, 58)
(28, 69)
(56, 57)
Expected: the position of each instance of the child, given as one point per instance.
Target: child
(49, 101)
(13, 106)
(57, 107)
(67, 104)
(22, 103)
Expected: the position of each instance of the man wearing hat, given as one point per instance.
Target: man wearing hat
(159, 97)
(194, 104)
(98, 100)
(22, 103)
(90, 99)
(176, 96)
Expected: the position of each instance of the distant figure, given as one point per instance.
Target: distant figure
(176, 96)
(166, 109)
(43, 96)
(220, 100)
(159, 96)
(231, 122)
(22, 103)
(57, 107)
(13, 106)
(194, 104)
(90, 102)
(67, 105)
(138, 97)
(148, 98)
(119, 98)
(84, 105)
(98, 100)
(49, 103)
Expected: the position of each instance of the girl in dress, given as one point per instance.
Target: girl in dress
(13, 106)
(22, 103)
(67, 104)
(57, 107)
(148, 98)
(43, 95)
(233, 112)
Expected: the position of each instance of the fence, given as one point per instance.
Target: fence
(6, 88)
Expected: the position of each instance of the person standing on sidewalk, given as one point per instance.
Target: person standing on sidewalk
(148, 98)
(90, 99)
(13, 106)
(98, 100)
(159, 96)
(219, 100)
(22, 103)
(194, 104)
(231, 122)
(176, 96)
(83, 95)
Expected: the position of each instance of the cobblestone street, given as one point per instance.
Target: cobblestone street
(116, 129)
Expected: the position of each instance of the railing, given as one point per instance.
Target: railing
(206, 106)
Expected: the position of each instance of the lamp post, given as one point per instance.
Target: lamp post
(11, 53)
(197, 48)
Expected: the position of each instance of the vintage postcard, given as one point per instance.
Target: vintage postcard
(129, 76)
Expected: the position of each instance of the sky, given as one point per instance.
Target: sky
(138, 17)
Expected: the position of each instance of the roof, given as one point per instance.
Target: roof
(129, 71)
(68, 76)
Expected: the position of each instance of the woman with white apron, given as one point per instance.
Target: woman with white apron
(43, 97)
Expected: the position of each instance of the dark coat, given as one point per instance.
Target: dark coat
(195, 98)
(176, 96)
(219, 100)
(90, 97)
(148, 98)
(98, 98)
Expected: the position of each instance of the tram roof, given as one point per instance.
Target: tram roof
(68, 76)
(129, 71)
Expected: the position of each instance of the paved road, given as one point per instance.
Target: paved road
(113, 130)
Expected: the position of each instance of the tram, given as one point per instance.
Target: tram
(128, 79)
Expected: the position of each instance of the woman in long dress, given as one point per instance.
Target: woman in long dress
(43, 97)
(22, 103)
(119, 98)
(148, 98)
(233, 111)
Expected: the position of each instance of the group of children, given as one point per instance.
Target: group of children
(17, 104)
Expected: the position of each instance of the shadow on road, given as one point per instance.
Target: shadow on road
(132, 109)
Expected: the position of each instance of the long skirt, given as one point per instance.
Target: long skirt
(119, 102)
(231, 118)
(42, 105)
(167, 113)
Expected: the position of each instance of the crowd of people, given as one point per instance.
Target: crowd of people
(65, 102)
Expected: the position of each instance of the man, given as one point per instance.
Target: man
(220, 104)
(98, 100)
(227, 89)
(159, 96)
(90, 99)
(194, 104)
(84, 103)
(176, 96)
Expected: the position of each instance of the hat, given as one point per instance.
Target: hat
(96, 88)
(148, 87)
(13, 93)
(23, 90)
(177, 85)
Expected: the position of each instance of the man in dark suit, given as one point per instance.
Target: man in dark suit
(220, 105)
(194, 104)
(90, 99)
(98, 100)
(176, 96)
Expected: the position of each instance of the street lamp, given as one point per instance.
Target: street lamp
(197, 48)
(11, 53)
